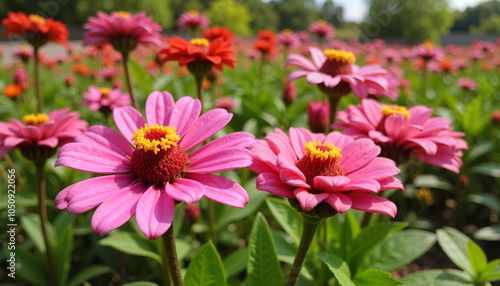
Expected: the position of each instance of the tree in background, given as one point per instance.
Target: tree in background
(295, 14)
(267, 18)
(332, 13)
(490, 25)
(413, 20)
(472, 16)
(231, 14)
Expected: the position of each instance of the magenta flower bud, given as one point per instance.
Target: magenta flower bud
(319, 116)
(192, 213)
(21, 78)
(289, 93)
(495, 117)
(69, 81)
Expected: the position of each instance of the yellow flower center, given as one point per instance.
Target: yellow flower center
(105, 92)
(321, 22)
(325, 151)
(154, 137)
(122, 14)
(36, 120)
(428, 44)
(193, 12)
(339, 56)
(425, 195)
(24, 48)
(287, 31)
(199, 42)
(395, 109)
(37, 18)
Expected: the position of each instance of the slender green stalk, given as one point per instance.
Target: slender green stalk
(171, 260)
(38, 85)
(211, 221)
(199, 91)
(128, 78)
(423, 91)
(310, 225)
(42, 210)
(334, 102)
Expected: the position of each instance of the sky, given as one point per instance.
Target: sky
(355, 10)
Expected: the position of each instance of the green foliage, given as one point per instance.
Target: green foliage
(332, 13)
(206, 268)
(232, 14)
(490, 25)
(414, 20)
(295, 14)
(473, 16)
(265, 18)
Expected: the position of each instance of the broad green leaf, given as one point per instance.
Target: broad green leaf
(492, 277)
(432, 181)
(491, 233)
(263, 267)
(477, 151)
(350, 229)
(454, 244)
(183, 248)
(141, 77)
(486, 168)
(289, 219)
(140, 283)
(339, 268)
(31, 267)
(375, 277)
(206, 268)
(229, 214)
(88, 273)
(131, 243)
(369, 237)
(484, 199)
(62, 220)
(490, 267)
(477, 258)
(286, 252)
(441, 277)
(398, 249)
(62, 255)
(235, 262)
(31, 224)
(22, 200)
(473, 118)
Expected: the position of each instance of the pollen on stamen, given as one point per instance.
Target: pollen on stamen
(199, 42)
(339, 56)
(395, 109)
(35, 119)
(37, 18)
(122, 14)
(155, 137)
(105, 92)
(325, 151)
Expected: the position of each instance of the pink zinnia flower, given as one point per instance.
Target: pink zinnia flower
(427, 51)
(403, 133)
(322, 29)
(335, 169)
(467, 83)
(24, 53)
(193, 20)
(149, 169)
(336, 74)
(226, 102)
(121, 29)
(105, 99)
(287, 39)
(40, 135)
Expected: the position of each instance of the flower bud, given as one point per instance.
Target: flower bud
(319, 116)
(192, 213)
(495, 117)
(289, 93)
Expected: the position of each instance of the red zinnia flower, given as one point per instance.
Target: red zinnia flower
(12, 90)
(266, 42)
(35, 29)
(218, 32)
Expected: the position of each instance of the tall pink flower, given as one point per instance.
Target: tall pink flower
(322, 29)
(403, 133)
(121, 29)
(105, 99)
(325, 174)
(287, 39)
(149, 168)
(193, 21)
(336, 74)
(40, 134)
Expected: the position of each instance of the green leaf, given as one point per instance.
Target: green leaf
(369, 237)
(432, 181)
(62, 220)
(454, 244)
(477, 258)
(487, 168)
(131, 243)
(140, 283)
(289, 219)
(375, 277)
(62, 255)
(473, 118)
(484, 199)
(88, 273)
(490, 267)
(350, 230)
(490, 233)
(31, 224)
(141, 77)
(339, 268)
(492, 277)
(30, 267)
(263, 267)
(205, 268)
(235, 262)
(441, 277)
(477, 151)
(398, 249)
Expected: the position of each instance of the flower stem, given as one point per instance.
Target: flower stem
(424, 84)
(333, 102)
(310, 224)
(42, 209)
(38, 86)
(199, 91)
(211, 221)
(128, 77)
(171, 260)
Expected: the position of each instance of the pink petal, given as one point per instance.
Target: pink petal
(358, 153)
(264, 159)
(393, 125)
(205, 126)
(295, 75)
(338, 139)
(290, 174)
(221, 190)
(92, 159)
(317, 56)
(185, 190)
(280, 143)
(378, 169)
(272, 183)
(299, 137)
(155, 212)
(316, 77)
(218, 160)
(185, 112)
(372, 203)
(301, 62)
(307, 200)
(128, 120)
(106, 138)
(117, 209)
(330, 184)
(159, 107)
(363, 185)
(340, 202)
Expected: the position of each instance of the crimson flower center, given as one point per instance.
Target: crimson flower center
(320, 160)
(157, 158)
